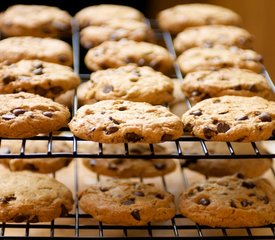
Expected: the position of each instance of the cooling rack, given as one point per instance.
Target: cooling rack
(78, 225)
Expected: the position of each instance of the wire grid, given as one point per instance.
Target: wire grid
(179, 226)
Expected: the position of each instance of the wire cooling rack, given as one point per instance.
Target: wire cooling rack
(78, 225)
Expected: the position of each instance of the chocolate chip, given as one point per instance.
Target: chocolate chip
(108, 88)
(38, 71)
(237, 87)
(244, 117)
(34, 219)
(7, 199)
(132, 137)
(245, 203)
(135, 214)
(160, 166)
(195, 93)
(253, 88)
(7, 79)
(139, 193)
(273, 133)
(129, 202)
(265, 199)
(188, 128)
(64, 211)
(20, 218)
(56, 90)
(18, 111)
(166, 137)
(208, 132)
(111, 129)
(196, 113)
(141, 62)
(48, 114)
(155, 64)
(222, 127)
(63, 59)
(122, 108)
(265, 117)
(233, 204)
(31, 167)
(114, 121)
(223, 112)
(112, 166)
(38, 65)
(215, 121)
(204, 201)
(199, 188)
(159, 196)
(8, 116)
(130, 60)
(104, 189)
(41, 91)
(248, 184)
(240, 175)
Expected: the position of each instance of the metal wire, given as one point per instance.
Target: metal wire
(177, 228)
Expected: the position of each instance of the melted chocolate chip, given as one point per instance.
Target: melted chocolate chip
(159, 196)
(7, 199)
(108, 88)
(222, 127)
(248, 184)
(265, 199)
(128, 202)
(135, 214)
(188, 128)
(244, 117)
(155, 64)
(122, 108)
(240, 175)
(8, 116)
(233, 204)
(130, 60)
(139, 193)
(245, 203)
(166, 137)
(253, 88)
(114, 121)
(56, 90)
(237, 87)
(63, 59)
(41, 91)
(20, 218)
(208, 132)
(204, 201)
(111, 129)
(104, 189)
(196, 113)
(132, 137)
(48, 114)
(18, 111)
(199, 188)
(31, 167)
(160, 166)
(38, 71)
(7, 79)
(64, 211)
(265, 117)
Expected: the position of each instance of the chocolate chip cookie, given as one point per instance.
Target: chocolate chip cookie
(133, 83)
(32, 197)
(14, 49)
(127, 203)
(24, 115)
(213, 35)
(35, 20)
(100, 14)
(200, 85)
(179, 17)
(41, 165)
(128, 168)
(36, 76)
(115, 30)
(118, 121)
(113, 54)
(230, 202)
(252, 167)
(231, 118)
(196, 59)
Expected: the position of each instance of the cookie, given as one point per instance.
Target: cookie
(126, 203)
(213, 35)
(231, 118)
(24, 115)
(133, 83)
(32, 197)
(179, 17)
(253, 167)
(14, 49)
(41, 165)
(39, 77)
(128, 168)
(230, 202)
(113, 54)
(200, 85)
(35, 20)
(115, 30)
(118, 121)
(196, 59)
(100, 14)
